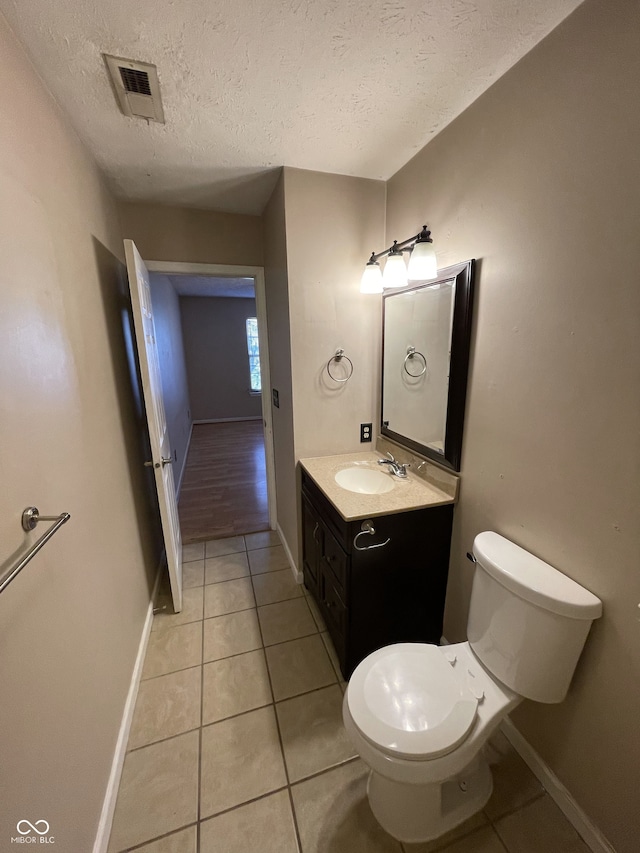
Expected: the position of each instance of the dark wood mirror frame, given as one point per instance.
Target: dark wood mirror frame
(464, 275)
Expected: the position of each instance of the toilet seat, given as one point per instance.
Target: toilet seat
(407, 700)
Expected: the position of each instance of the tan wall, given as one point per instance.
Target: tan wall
(187, 235)
(333, 224)
(215, 347)
(277, 298)
(71, 623)
(540, 180)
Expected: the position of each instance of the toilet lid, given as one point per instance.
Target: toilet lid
(406, 699)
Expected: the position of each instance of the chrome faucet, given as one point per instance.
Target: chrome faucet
(399, 469)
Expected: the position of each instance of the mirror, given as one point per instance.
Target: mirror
(425, 360)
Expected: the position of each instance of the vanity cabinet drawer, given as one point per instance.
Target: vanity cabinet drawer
(336, 559)
(335, 612)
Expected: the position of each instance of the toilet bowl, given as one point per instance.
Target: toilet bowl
(419, 715)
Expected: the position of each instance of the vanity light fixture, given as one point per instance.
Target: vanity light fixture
(422, 264)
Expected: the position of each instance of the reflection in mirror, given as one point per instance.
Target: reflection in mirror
(426, 330)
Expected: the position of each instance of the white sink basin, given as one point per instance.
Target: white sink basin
(365, 481)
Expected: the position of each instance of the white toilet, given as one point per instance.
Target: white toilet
(419, 714)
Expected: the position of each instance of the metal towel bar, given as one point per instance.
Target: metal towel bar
(30, 518)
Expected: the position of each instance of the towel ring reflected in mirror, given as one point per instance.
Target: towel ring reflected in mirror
(412, 353)
(338, 357)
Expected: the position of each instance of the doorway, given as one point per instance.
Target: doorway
(221, 414)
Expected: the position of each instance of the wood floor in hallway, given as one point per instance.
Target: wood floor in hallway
(224, 488)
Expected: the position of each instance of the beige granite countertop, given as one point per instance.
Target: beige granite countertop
(416, 492)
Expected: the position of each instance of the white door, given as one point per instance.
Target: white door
(154, 407)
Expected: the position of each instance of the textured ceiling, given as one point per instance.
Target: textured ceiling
(201, 285)
(354, 87)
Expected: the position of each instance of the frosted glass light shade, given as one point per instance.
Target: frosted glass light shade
(371, 281)
(395, 272)
(423, 264)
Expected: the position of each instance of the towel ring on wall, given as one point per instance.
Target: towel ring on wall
(339, 355)
(411, 354)
(367, 528)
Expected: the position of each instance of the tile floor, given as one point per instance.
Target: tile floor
(237, 743)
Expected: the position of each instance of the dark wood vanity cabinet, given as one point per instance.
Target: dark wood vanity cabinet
(369, 598)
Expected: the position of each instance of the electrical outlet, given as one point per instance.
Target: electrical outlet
(365, 432)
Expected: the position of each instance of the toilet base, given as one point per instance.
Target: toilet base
(414, 813)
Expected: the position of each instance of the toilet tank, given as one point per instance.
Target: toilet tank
(527, 621)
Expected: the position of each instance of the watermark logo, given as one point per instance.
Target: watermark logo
(33, 833)
(30, 827)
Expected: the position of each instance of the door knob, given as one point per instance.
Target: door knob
(148, 464)
(166, 461)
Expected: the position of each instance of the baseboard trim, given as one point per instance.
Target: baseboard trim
(588, 831)
(297, 576)
(227, 420)
(111, 795)
(184, 462)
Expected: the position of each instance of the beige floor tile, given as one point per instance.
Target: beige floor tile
(227, 568)
(513, 783)
(443, 843)
(539, 826)
(166, 706)
(333, 655)
(268, 560)
(184, 841)
(333, 814)
(192, 574)
(235, 685)
(481, 841)
(220, 547)
(299, 666)
(228, 597)
(271, 587)
(315, 612)
(158, 791)
(232, 634)
(264, 539)
(313, 735)
(241, 760)
(191, 610)
(172, 649)
(193, 551)
(265, 826)
(286, 620)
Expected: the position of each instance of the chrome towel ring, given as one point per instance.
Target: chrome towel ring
(367, 528)
(339, 355)
(411, 354)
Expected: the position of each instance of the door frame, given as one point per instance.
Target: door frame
(257, 273)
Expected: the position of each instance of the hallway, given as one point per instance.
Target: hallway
(224, 488)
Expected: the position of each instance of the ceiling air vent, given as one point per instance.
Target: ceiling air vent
(137, 88)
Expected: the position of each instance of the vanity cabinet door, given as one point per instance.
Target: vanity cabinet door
(311, 547)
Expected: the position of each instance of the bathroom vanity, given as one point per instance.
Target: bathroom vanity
(376, 564)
